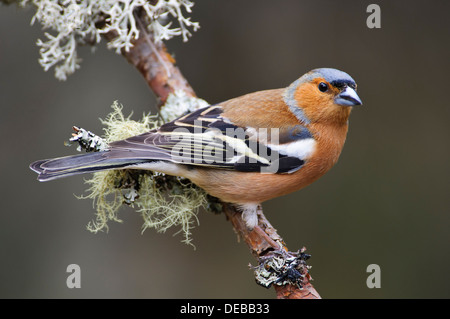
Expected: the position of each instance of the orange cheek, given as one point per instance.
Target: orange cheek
(315, 104)
(319, 106)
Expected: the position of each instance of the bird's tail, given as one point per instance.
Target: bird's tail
(78, 164)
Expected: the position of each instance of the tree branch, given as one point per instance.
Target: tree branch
(263, 241)
(156, 65)
(158, 68)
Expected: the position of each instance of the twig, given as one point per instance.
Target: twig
(262, 246)
(158, 68)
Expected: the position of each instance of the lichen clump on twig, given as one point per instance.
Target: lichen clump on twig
(76, 23)
(282, 268)
(163, 201)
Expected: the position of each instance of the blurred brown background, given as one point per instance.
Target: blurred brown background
(386, 202)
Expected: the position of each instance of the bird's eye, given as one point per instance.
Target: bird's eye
(323, 87)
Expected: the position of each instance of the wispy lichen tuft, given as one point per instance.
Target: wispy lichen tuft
(163, 201)
(167, 201)
(118, 127)
(74, 22)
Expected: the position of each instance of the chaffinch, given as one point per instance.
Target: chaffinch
(246, 150)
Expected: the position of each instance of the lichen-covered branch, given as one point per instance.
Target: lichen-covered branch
(265, 244)
(159, 70)
(157, 66)
(71, 23)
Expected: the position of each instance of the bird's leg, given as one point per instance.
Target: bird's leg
(267, 231)
(270, 241)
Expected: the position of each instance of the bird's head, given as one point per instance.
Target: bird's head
(322, 95)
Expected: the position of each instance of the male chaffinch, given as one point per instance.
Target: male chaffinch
(246, 150)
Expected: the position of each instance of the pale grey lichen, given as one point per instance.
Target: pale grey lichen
(163, 201)
(179, 103)
(75, 22)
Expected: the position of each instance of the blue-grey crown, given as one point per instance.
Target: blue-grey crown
(334, 77)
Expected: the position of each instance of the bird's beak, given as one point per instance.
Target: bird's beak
(348, 97)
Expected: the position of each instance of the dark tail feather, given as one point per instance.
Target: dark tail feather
(86, 163)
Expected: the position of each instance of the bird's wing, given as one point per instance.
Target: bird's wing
(206, 138)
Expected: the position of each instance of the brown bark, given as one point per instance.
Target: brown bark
(158, 68)
(293, 292)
